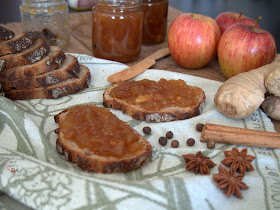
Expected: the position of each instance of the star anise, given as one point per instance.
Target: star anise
(231, 182)
(198, 163)
(238, 160)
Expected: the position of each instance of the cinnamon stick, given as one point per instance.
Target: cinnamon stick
(242, 136)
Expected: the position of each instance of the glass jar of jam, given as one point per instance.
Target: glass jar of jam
(117, 29)
(155, 21)
(49, 17)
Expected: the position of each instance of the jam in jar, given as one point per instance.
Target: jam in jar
(155, 21)
(117, 29)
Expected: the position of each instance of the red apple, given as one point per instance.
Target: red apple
(243, 47)
(227, 19)
(193, 40)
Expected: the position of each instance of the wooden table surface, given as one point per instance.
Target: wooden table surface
(80, 42)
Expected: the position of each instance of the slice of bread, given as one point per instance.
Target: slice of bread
(31, 68)
(66, 87)
(53, 60)
(87, 136)
(5, 34)
(19, 43)
(70, 68)
(34, 53)
(169, 113)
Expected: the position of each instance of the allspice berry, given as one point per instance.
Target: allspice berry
(190, 142)
(175, 144)
(199, 127)
(147, 130)
(162, 141)
(169, 135)
(210, 144)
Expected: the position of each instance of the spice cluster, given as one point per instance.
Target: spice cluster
(163, 140)
(229, 180)
(239, 162)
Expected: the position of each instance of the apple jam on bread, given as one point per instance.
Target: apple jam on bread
(162, 101)
(96, 140)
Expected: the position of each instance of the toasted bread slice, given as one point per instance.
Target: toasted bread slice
(5, 34)
(53, 60)
(70, 68)
(136, 99)
(96, 140)
(34, 53)
(66, 87)
(19, 43)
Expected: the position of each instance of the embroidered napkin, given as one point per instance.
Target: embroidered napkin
(35, 174)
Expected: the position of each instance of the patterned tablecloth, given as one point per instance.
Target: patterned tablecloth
(33, 173)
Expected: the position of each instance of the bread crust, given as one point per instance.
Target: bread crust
(5, 34)
(19, 43)
(99, 164)
(53, 60)
(34, 53)
(69, 69)
(30, 68)
(66, 87)
(164, 115)
(1, 91)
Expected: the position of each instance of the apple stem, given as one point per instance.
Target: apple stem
(259, 18)
(241, 13)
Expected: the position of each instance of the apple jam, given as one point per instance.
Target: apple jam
(155, 21)
(154, 96)
(100, 132)
(117, 30)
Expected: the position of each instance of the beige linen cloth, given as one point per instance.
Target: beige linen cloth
(35, 174)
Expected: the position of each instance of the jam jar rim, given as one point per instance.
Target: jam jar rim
(44, 3)
(119, 3)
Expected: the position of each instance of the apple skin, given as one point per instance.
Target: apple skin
(241, 49)
(193, 40)
(86, 3)
(227, 19)
(81, 4)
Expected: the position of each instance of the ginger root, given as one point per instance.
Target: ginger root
(271, 106)
(272, 82)
(244, 93)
